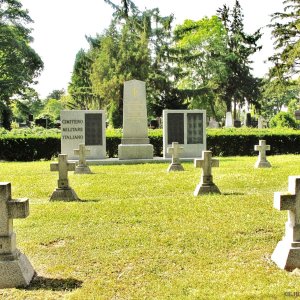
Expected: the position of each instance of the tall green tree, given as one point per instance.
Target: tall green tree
(286, 31)
(200, 50)
(19, 63)
(240, 86)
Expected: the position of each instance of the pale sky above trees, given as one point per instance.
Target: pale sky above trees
(60, 27)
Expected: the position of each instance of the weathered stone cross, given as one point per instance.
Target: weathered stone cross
(262, 157)
(175, 151)
(206, 184)
(64, 191)
(82, 167)
(15, 269)
(287, 253)
(63, 166)
(82, 152)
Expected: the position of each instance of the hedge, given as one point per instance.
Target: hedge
(222, 142)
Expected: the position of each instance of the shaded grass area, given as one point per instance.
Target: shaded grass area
(139, 233)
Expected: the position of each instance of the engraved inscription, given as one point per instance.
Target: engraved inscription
(93, 129)
(176, 128)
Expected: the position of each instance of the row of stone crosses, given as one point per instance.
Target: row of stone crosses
(17, 271)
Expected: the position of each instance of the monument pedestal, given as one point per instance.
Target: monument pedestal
(64, 194)
(287, 255)
(206, 186)
(135, 151)
(15, 271)
(84, 169)
(175, 167)
(262, 164)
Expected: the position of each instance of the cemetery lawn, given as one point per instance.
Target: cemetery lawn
(139, 233)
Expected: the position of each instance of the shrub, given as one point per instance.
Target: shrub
(283, 119)
(39, 143)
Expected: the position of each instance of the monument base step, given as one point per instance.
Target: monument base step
(16, 273)
(64, 195)
(82, 170)
(135, 151)
(175, 167)
(202, 189)
(262, 164)
(286, 256)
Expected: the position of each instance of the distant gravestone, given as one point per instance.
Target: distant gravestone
(64, 191)
(287, 252)
(262, 161)
(175, 151)
(187, 128)
(82, 167)
(213, 123)
(15, 268)
(206, 184)
(297, 114)
(83, 127)
(135, 142)
(228, 119)
(248, 121)
(261, 122)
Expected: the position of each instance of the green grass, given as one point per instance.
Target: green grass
(139, 233)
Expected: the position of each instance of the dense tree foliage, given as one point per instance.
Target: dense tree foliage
(19, 63)
(286, 31)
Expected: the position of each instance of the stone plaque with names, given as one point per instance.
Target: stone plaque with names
(93, 129)
(188, 128)
(83, 127)
(176, 128)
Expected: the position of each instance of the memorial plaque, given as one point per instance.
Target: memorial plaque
(83, 127)
(93, 129)
(176, 128)
(195, 128)
(188, 128)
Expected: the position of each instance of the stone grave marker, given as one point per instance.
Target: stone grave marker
(83, 127)
(175, 151)
(64, 191)
(261, 122)
(82, 167)
(287, 252)
(135, 142)
(186, 127)
(206, 184)
(15, 268)
(228, 119)
(262, 161)
(213, 123)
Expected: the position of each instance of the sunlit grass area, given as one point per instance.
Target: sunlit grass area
(139, 233)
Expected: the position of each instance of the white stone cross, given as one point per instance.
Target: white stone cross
(206, 163)
(82, 152)
(287, 253)
(175, 151)
(15, 268)
(291, 201)
(262, 158)
(63, 166)
(206, 184)
(9, 210)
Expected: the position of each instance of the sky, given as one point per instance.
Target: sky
(60, 27)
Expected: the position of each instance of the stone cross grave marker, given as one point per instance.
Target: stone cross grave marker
(15, 268)
(206, 184)
(64, 191)
(287, 252)
(82, 167)
(262, 161)
(175, 151)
